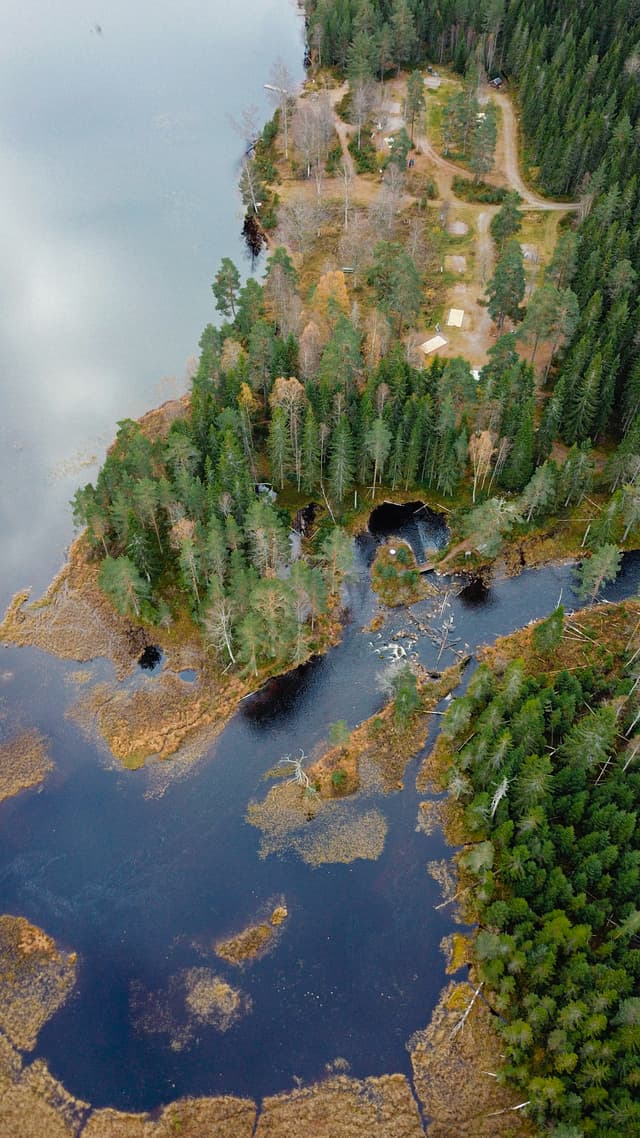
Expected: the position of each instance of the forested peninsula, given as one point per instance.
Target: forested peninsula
(448, 310)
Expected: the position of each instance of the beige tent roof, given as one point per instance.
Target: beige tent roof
(433, 344)
(455, 317)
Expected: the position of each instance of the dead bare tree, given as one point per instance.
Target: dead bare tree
(388, 206)
(356, 243)
(300, 221)
(280, 88)
(481, 451)
(346, 174)
(362, 100)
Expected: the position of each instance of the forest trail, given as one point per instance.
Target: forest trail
(341, 128)
(509, 132)
(507, 165)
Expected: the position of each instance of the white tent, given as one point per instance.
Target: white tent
(433, 344)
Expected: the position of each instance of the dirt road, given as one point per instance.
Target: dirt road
(511, 168)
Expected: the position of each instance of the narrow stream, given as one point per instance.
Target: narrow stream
(141, 885)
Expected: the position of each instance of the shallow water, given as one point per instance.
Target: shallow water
(142, 885)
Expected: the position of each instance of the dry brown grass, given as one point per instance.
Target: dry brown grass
(32, 1103)
(23, 763)
(74, 619)
(254, 941)
(383, 744)
(604, 630)
(223, 1117)
(154, 719)
(316, 829)
(343, 1108)
(193, 998)
(451, 1076)
(35, 979)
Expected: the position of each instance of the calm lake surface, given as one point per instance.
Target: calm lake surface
(118, 172)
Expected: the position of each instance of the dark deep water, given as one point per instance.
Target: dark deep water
(141, 878)
(118, 171)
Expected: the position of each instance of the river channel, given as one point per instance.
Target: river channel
(140, 874)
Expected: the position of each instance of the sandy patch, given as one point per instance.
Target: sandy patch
(530, 253)
(23, 763)
(35, 979)
(343, 1108)
(458, 228)
(455, 264)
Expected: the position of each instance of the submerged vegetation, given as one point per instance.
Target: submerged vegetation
(23, 763)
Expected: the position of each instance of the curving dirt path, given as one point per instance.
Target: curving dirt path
(341, 127)
(507, 148)
(511, 167)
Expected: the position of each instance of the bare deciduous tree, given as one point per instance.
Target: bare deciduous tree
(356, 243)
(345, 171)
(310, 350)
(300, 222)
(377, 338)
(388, 207)
(280, 87)
(481, 451)
(362, 100)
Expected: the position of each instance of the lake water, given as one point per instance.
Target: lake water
(118, 171)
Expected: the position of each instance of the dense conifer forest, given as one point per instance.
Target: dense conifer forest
(542, 766)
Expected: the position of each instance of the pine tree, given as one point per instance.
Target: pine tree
(121, 581)
(226, 288)
(403, 31)
(378, 442)
(311, 472)
(539, 495)
(581, 404)
(279, 447)
(336, 557)
(483, 142)
(415, 104)
(547, 635)
(593, 574)
(507, 221)
(507, 286)
(519, 466)
(341, 460)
